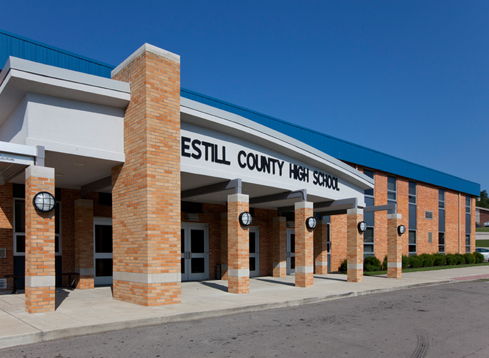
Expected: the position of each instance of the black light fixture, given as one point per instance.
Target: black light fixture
(401, 229)
(44, 201)
(311, 223)
(245, 218)
(362, 226)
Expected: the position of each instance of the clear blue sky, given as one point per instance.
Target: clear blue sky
(409, 78)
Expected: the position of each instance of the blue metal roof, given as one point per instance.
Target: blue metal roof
(343, 150)
(18, 46)
(14, 45)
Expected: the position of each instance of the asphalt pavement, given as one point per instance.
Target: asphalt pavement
(82, 312)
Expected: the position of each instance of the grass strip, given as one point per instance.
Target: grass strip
(419, 269)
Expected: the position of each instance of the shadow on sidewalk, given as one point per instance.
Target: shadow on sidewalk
(60, 296)
(215, 285)
(279, 282)
(330, 278)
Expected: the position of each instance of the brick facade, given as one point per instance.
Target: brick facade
(84, 263)
(321, 248)
(146, 189)
(304, 245)
(394, 246)
(354, 246)
(238, 245)
(39, 243)
(338, 241)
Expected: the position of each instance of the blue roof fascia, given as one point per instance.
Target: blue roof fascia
(18, 46)
(345, 150)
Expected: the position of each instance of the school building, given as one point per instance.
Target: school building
(118, 176)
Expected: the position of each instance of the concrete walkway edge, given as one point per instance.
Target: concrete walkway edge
(43, 336)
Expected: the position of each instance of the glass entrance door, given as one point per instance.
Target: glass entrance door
(290, 251)
(195, 252)
(102, 251)
(254, 251)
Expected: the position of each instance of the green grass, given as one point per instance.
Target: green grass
(482, 229)
(482, 243)
(432, 268)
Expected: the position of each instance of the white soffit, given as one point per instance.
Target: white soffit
(235, 125)
(20, 77)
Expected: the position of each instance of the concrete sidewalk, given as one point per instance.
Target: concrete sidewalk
(83, 312)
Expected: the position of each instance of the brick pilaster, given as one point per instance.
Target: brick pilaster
(279, 246)
(238, 246)
(321, 247)
(355, 246)
(39, 244)
(304, 245)
(146, 188)
(84, 243)
(394, 246)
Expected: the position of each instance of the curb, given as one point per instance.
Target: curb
(45, 336)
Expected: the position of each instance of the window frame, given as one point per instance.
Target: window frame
(415, 243)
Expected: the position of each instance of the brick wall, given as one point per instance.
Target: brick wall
(427, 200)
(451, 222)
(338, 230)
(146, 189)
(39, 243)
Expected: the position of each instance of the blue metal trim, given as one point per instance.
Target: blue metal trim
(18, 46)
(344, 150)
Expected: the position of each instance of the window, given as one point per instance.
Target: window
(441, 199)
(467, 205)
(19, 228)
(412, 242)
(328, 238)
(428, 215)
(370, 174)
(467, 244)
(368, 235)
(412, 193)
(391, 192)
(368, 242)
(441, 242)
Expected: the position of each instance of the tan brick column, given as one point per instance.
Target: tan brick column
(394, 247)
(39, 243)
(84, 243)
(224, 246)
(146, 188)
(355, 246)
(279, 246)
(321, 247)
(238, 245)
(304, 245)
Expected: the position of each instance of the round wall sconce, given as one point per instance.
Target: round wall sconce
(311, 223)
(401, 229)
(44, 201)
(362, 226)
(245, 218)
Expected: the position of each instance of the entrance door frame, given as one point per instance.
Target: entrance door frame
(105, 280)
(290, 270)
(256, 255)
(187, 255)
